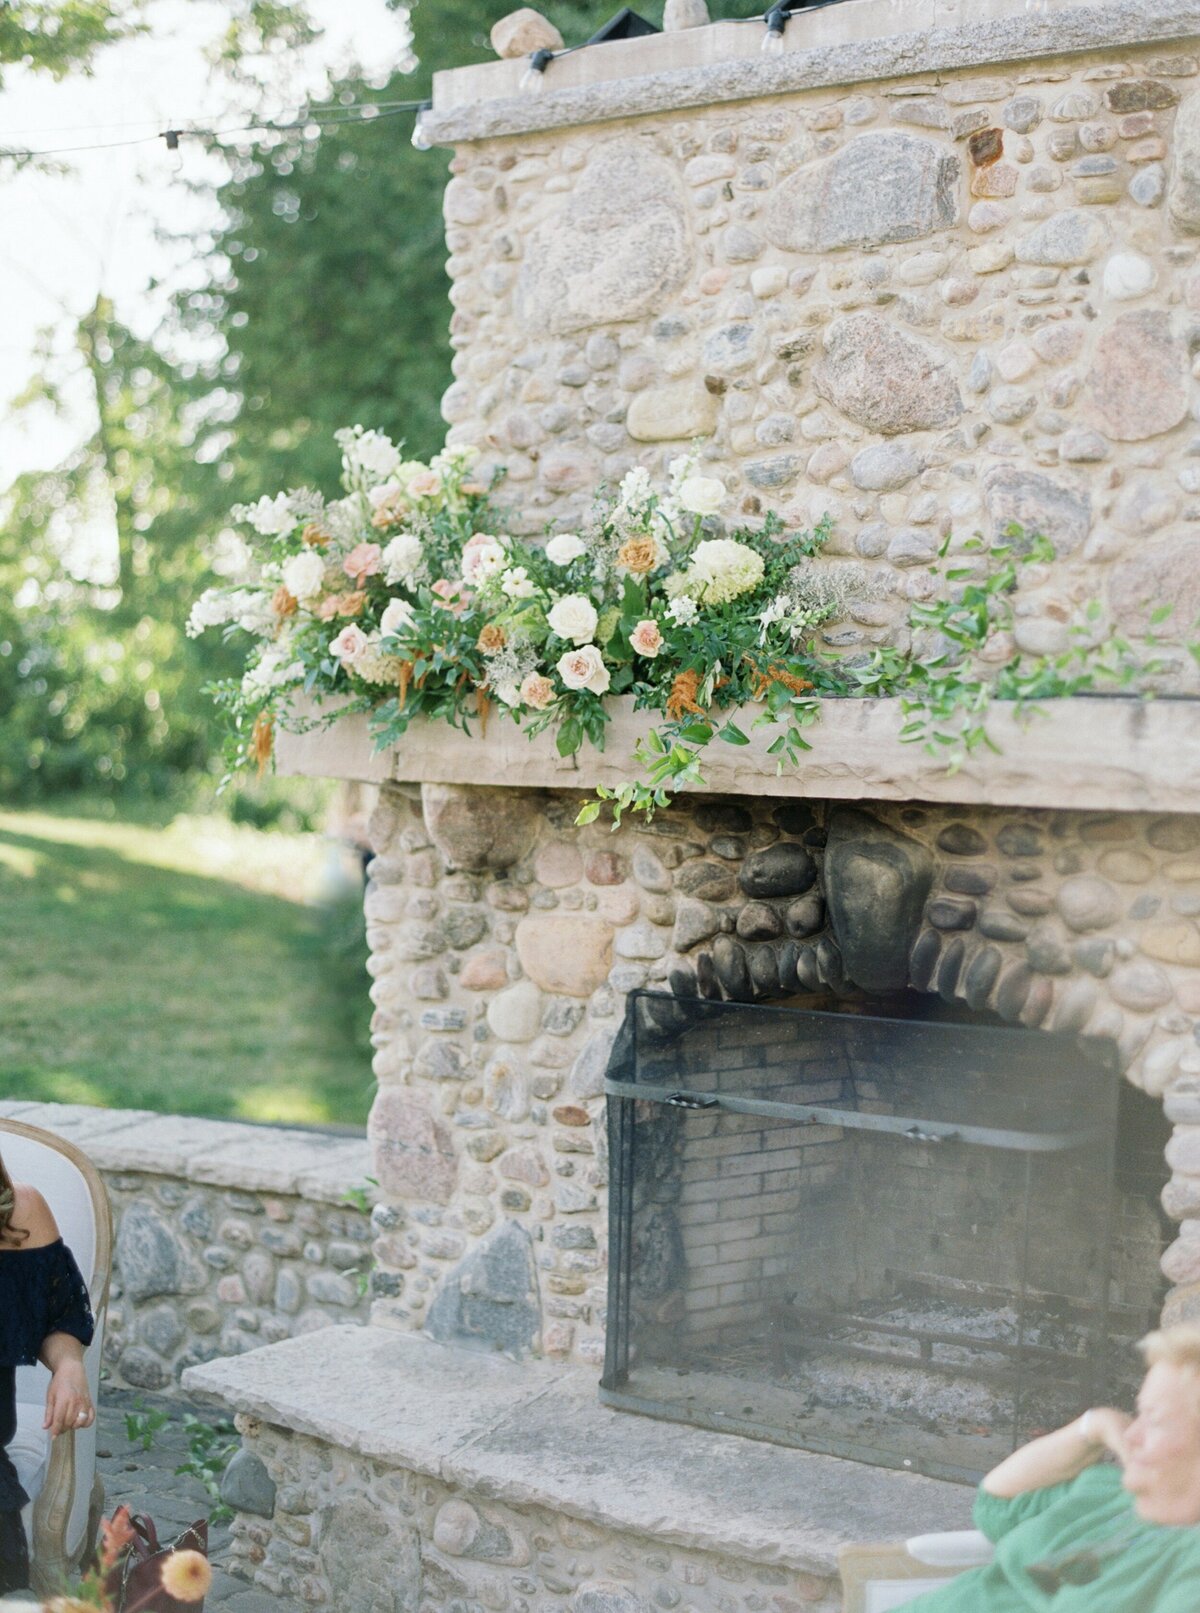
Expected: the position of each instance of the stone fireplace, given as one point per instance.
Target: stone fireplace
(675, 241)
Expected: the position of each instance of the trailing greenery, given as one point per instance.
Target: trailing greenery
(211, 1446)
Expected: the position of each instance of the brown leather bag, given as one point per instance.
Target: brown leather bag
(131, 1584)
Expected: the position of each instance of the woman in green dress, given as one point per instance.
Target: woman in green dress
(1102, 1516)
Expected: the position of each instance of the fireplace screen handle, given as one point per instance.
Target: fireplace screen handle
(918, 1136)
(689, 1100)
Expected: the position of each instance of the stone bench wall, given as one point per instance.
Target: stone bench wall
(227, 1236)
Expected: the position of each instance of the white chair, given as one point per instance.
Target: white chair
(60, 1474)
(877, 1579)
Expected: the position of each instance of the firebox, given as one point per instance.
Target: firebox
(889, 1239)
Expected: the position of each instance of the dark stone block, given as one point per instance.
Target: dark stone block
(758, 922)
(1140, 95)
(923, 960)
(729, 961)
(1019, 840)
(764, 971)
(247, 1486)
(784, 869)
(1013, 989)
(952, 913)
(1096, 955)
(806, 915)
(808, 975)
(998, 925)
(877, 881)
(975, 879)
(794, 817)
(682, 981)
(706, 976)
(708, 881)
(716, 817)
(960, 840)
(489, 1301)
(950, 968)
(982, 974)
(829, 963)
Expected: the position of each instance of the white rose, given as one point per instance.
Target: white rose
(380, 495)
(304, 574)
(702, 495)
(397, 616)
(269, 516)
(573, 617)
(584, 669)
(567, 546)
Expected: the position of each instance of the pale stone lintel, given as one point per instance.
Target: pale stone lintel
(1114, 754)
(221, 1153)
(535, 1434)
(856, 42)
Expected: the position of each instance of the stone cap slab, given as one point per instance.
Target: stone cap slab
(221, 1153)
(535, 1434)
(1108, 753)
(853, 43)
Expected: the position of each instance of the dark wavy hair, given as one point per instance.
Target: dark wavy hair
(8, 1204)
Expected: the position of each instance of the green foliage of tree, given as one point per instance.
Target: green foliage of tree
(99, 685)
(59, 36)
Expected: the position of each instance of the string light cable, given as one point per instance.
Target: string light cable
(319, 117)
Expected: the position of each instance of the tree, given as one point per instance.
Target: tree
(59, 36)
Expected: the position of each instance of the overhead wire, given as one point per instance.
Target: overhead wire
(335, 117)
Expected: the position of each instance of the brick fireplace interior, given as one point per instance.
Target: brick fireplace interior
(878, 1227)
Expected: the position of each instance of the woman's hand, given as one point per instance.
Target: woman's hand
(1103, 1427)
(68, 1400)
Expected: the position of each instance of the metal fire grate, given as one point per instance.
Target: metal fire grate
(880, 1238)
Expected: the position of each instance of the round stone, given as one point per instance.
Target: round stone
(885, 379)
(784, 869)
(557, 864)
(884, 467)
(758, 922)
(806, 915)
(565, 953)
(1172, 941)
(1158, 573)
(1125, 867)
(485, 970)
(515, 1015)
(1087, 902)
(1139, 985)
(1128, 275)
(1138, 381)
(477, 827)
(960, 840)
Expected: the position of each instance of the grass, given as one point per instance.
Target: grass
(180, 966)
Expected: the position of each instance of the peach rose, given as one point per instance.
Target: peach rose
(584, 669)
(646, 639)
(349, 604)
(638, 555)
(363, 561)
(327, 609)
(491, 638)
(284, 603)
(313, 538)
(537, 691)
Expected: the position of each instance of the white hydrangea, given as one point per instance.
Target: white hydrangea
(635, 490)
(683, 610)
(269, 516)
(275, 668)
(403, 559)
(722, 569)
(304, 575)
(367, 456)
(373, 666)
(212, 609)
(455, 459)
(243, 607)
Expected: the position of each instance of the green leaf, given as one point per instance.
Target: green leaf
(732, 735)
(588, 813)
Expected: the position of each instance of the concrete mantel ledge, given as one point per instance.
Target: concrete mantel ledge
(858, 41)
(533, 1434)
(220, 1153)
(1118, 754)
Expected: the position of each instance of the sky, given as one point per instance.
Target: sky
(97, 227)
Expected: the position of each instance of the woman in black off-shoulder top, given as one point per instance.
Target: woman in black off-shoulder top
(44, 1316)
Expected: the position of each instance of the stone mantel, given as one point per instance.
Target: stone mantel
(1105, 754)
(852, 43)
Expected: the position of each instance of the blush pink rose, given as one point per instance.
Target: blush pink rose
(584, 669)
(364, 560)
(646, 639)
(328, 608)
(537, 691)
(424, 484)
(349, 644)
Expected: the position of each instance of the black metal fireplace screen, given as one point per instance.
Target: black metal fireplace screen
(885, 1239)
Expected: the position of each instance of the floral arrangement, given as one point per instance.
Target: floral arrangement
(406, 596)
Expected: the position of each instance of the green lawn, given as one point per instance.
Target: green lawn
(182, 968)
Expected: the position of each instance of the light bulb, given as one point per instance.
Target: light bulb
(533, 79)
(419, 138)
(776, 20)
